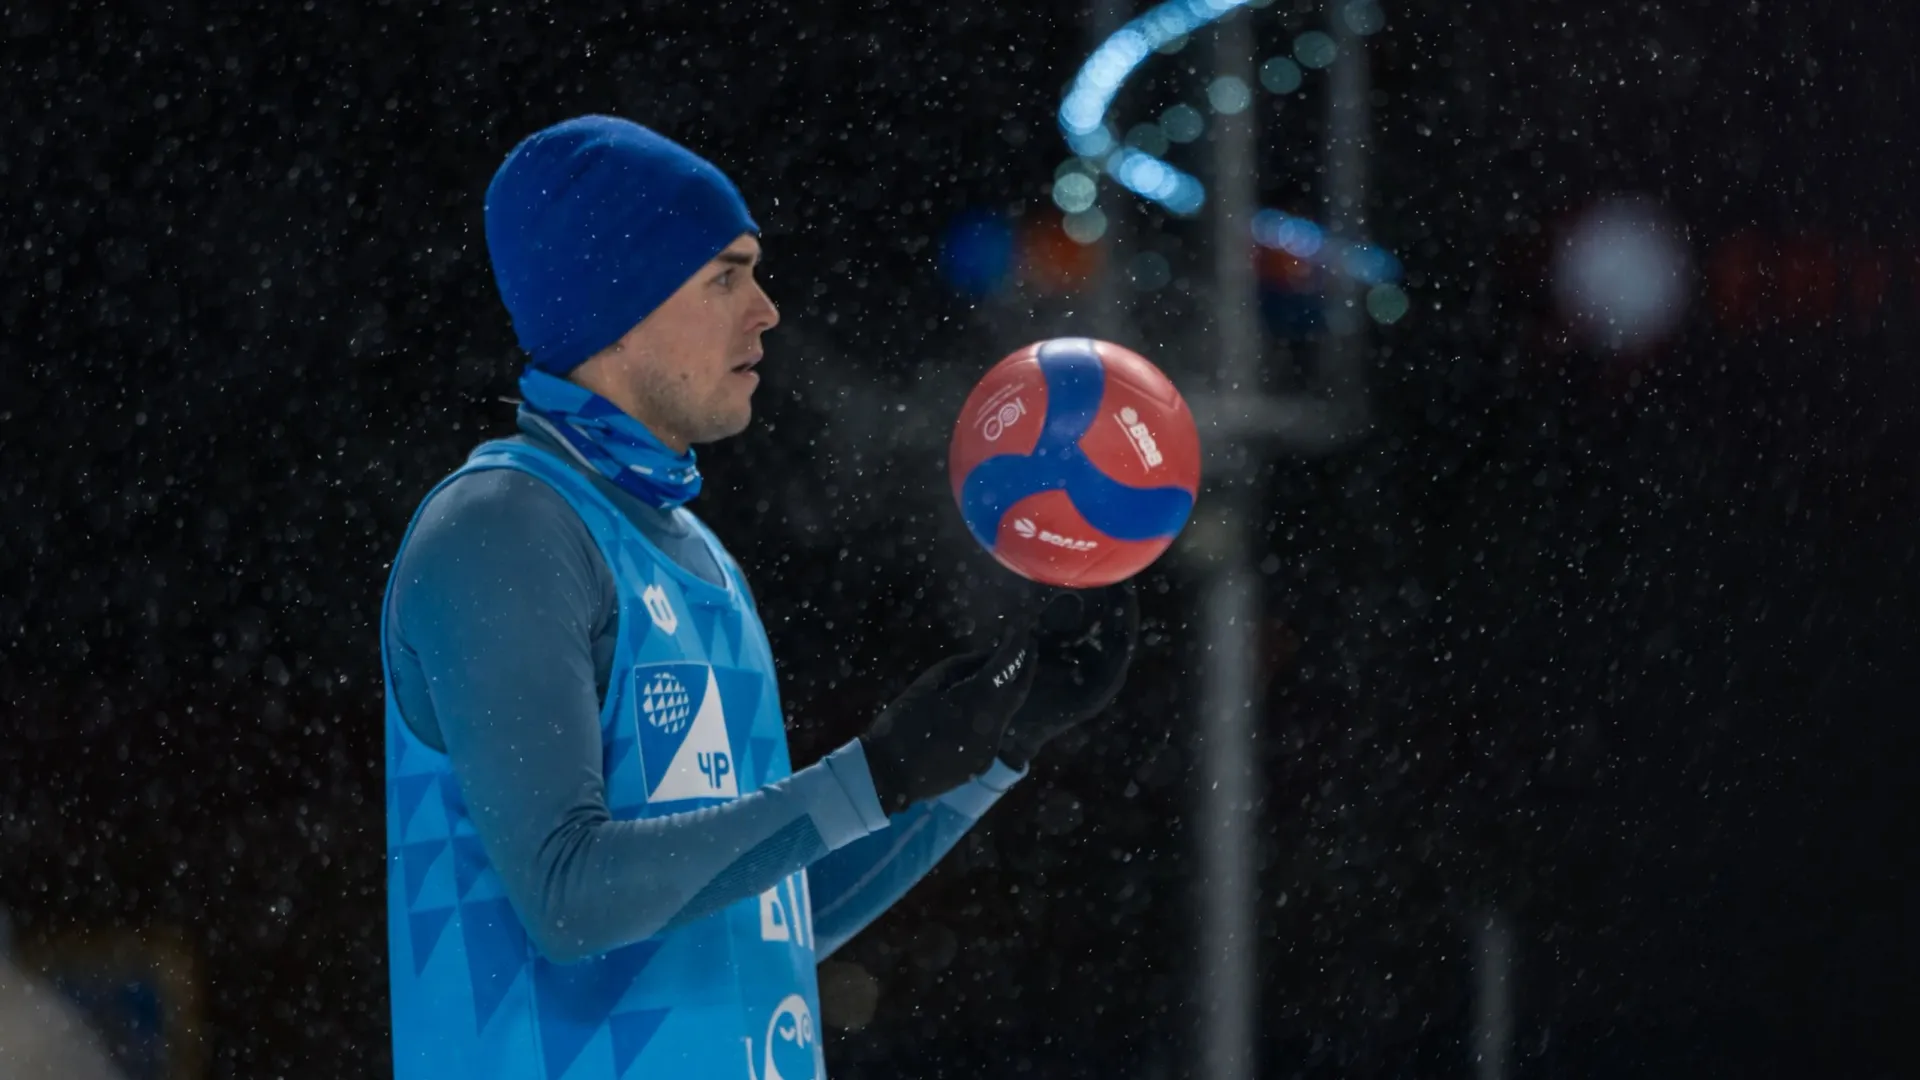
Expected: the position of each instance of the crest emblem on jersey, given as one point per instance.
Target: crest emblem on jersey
(790, 1052)
(665, 704)
(660, 609)
(680, 728)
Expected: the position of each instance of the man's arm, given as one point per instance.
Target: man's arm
(1085, 643)
(498, 595)
(857, 883)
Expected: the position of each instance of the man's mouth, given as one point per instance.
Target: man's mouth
(745, 365)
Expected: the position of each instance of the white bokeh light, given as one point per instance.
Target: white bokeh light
(1621, 274)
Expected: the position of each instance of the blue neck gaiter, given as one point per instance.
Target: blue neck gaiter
(618, 447)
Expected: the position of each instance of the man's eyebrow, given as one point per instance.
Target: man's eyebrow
(734, 258)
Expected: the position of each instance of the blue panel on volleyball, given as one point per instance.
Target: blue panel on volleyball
(1076, 383)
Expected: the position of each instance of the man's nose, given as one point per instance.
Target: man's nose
(765, 315)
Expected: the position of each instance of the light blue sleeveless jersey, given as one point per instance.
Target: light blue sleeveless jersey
(691, 719)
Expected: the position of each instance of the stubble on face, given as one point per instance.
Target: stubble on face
(689, 408)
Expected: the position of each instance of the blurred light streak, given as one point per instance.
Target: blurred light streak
(1084, 121)
(1083, 113)
(1493, 949)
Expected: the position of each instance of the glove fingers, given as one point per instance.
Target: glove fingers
(955, 670)
(1121, 624)
(1106, 628)
(1012, 660)
(1007, 676)
(1028, 659)
(1102, 656)
(1062, 614)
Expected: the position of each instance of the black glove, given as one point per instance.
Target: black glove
(945, 728)
(1085, 640)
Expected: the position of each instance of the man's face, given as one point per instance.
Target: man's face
(686, 371)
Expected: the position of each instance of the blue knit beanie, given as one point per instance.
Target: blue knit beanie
(592, 224)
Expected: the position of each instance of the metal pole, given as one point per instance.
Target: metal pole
(1333, 409)
(1343, 353)
(1110, 298)
(1229, 946)
(1493, 1002)
(1236, 191)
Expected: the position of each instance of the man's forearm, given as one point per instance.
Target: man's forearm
(857, 883)
(598, 884)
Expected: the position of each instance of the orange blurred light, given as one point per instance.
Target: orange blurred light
(1869, 285)
(1809, 279)
(1054, 262)
(1284, 270)
(1737, 276)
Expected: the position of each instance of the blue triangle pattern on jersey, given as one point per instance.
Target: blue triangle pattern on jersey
(496, 951)
(620, 750)
(411, 789)
(703, 617)
(469, 862)
(450, 800)
(574, 1001)
(739, 701)
(632, 569)
(632, 1031)
(425, 928)
(722, 650)
(762, 759)
(415, 861)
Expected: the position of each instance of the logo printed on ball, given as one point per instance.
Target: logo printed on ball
(1026, 528)
(1002, 419)
(1139, 436)
(999, 413)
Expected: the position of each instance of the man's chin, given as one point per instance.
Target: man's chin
(726, 426)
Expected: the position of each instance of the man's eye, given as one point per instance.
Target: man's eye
(725, 278)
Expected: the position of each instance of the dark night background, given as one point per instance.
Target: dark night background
(1626, 647)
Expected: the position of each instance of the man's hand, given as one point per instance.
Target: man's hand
(1085, 642)
(945, 728)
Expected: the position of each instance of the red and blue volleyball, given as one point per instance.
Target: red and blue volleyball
(1075, 462)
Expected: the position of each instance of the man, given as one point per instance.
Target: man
(600, 862)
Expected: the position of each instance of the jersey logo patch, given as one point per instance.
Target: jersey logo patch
(660, 609)
(680, 727)
(665, 704)
(791, 1050)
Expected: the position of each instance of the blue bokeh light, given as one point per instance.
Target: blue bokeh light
(1294, 235)
(1083, 122)
(1367, 263)
(976, 252)
(1083, 114)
